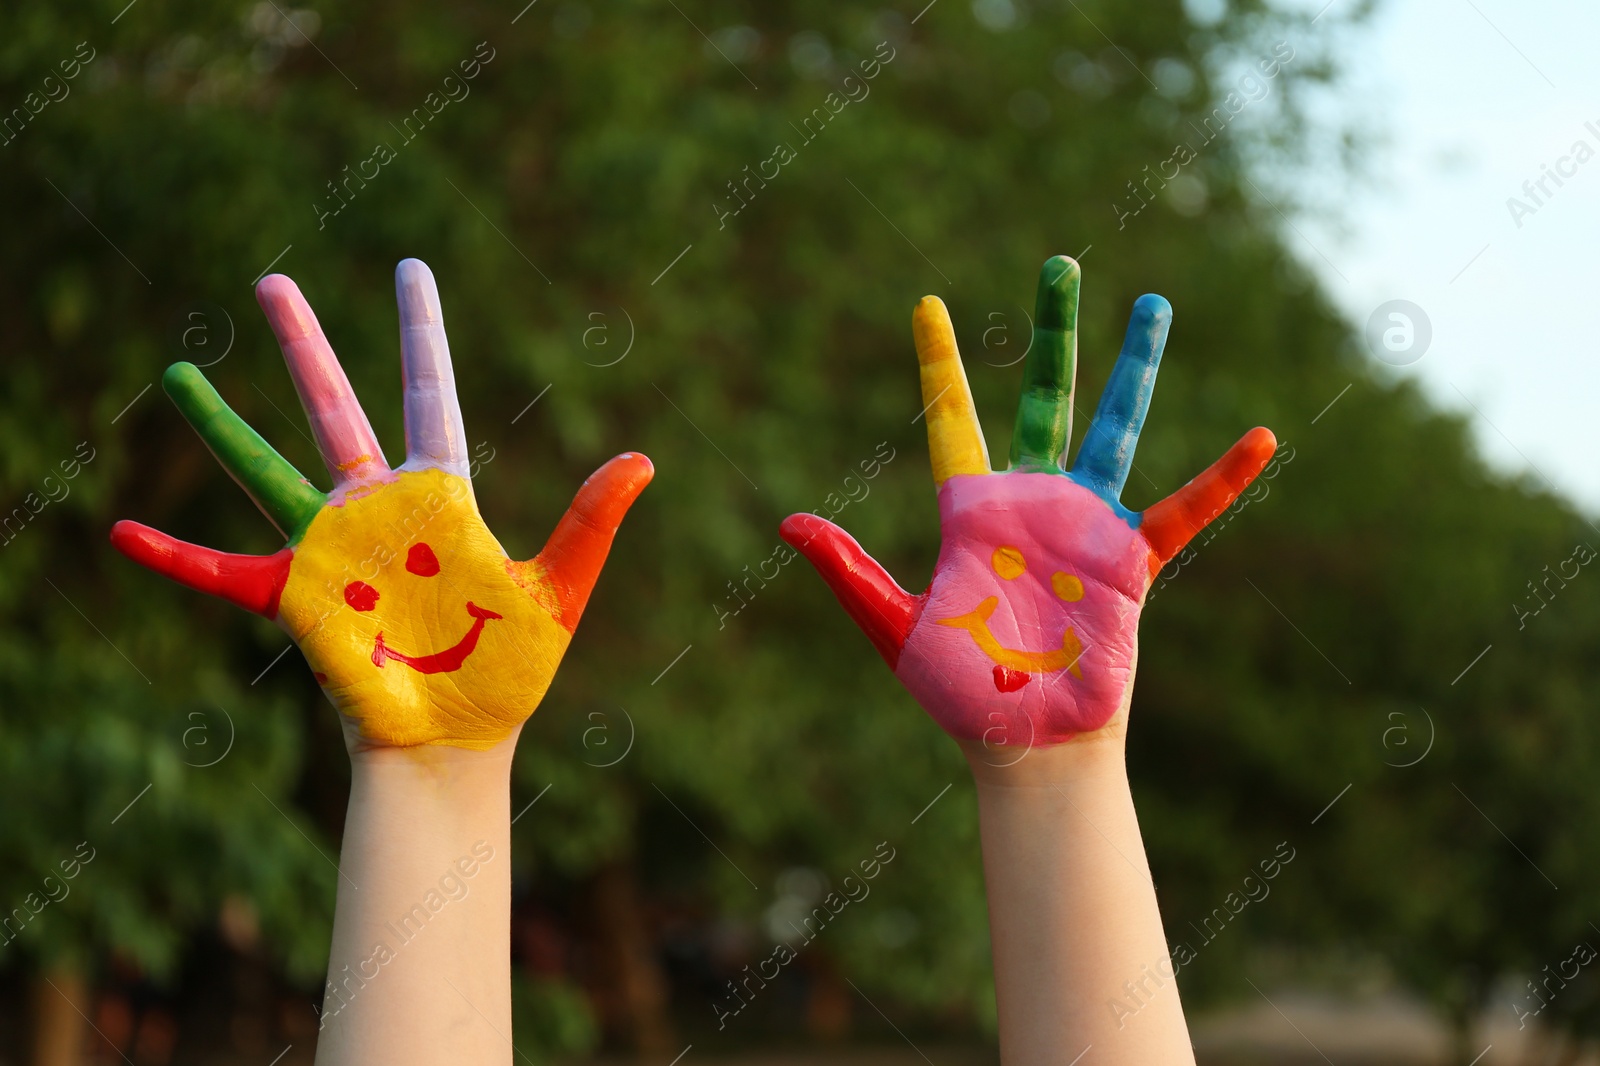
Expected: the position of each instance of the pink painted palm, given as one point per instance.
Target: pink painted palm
(1028, 633)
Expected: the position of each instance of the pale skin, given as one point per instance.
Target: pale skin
(1060, 842)
(1023, 649)
(426, 849)
(433, 645)
(445, 996)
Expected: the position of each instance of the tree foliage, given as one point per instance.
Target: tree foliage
(613, 279)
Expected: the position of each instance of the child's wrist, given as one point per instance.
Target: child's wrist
(1100, 754)
(436, 767)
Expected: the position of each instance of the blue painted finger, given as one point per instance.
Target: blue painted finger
(1106, 455)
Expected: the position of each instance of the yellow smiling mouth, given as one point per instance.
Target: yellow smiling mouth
(976, 622)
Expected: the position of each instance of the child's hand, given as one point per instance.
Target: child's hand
(418, 626)
(1029, 632)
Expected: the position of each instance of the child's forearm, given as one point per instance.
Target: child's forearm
(1072, 911)
(420, 968)
(426, 653)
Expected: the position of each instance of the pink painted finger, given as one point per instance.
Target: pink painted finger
(254, 582)
(435, 436)
(340, 427)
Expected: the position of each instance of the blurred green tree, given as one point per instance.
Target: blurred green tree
(699, 233)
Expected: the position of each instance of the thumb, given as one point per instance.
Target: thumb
(571, 560)
(254, 582)
(873, 600)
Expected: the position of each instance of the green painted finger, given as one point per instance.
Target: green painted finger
(276, 487)
(1044, 414)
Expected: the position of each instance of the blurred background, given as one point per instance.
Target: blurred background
(698, 230)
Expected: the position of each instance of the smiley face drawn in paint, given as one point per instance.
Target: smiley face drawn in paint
(1032, 613)
(420, 561)
(417, 620)
(1028, 631)
(439, 662)
(416, 623)
(1012, 666)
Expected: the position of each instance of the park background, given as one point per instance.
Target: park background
(1383, 664)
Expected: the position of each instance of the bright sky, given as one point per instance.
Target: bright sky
(1468, 100)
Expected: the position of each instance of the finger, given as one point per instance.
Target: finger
(435, 436)
(1173, 522)
(572, 557)
(955, 439)
(283, 495)
(1106, 454)
(1044, 413)
(873, 600)
(340, 427)
(253, 582)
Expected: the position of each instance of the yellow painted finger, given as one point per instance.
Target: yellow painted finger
(955, 439)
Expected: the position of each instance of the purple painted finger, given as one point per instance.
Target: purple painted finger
(435, 436)
(340, 427)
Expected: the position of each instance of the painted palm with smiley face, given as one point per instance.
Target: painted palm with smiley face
(1028, 633)
(417, 624)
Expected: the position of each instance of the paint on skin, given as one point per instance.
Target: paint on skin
(1072, 656)
(344, 436)
(1009, 680)
(413, 649)
(466, 690)
(434, 433)
(1029, 629)
(440, 662)
(277, 488)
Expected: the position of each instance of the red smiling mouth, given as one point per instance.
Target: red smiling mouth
(440, 662)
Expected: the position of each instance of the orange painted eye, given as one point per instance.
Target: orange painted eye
(1008, 562)
(361, 596)
(421, 561)
(1067, 587)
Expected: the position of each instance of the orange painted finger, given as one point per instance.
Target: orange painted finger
(1173, 522)
(576, 551)
(254, 582)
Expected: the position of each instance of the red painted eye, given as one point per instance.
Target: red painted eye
(421, 561)
(361, 596)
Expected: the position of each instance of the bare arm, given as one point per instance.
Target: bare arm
(420, 968)
(1080, 959)
(435, 647)
(1023, 649)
